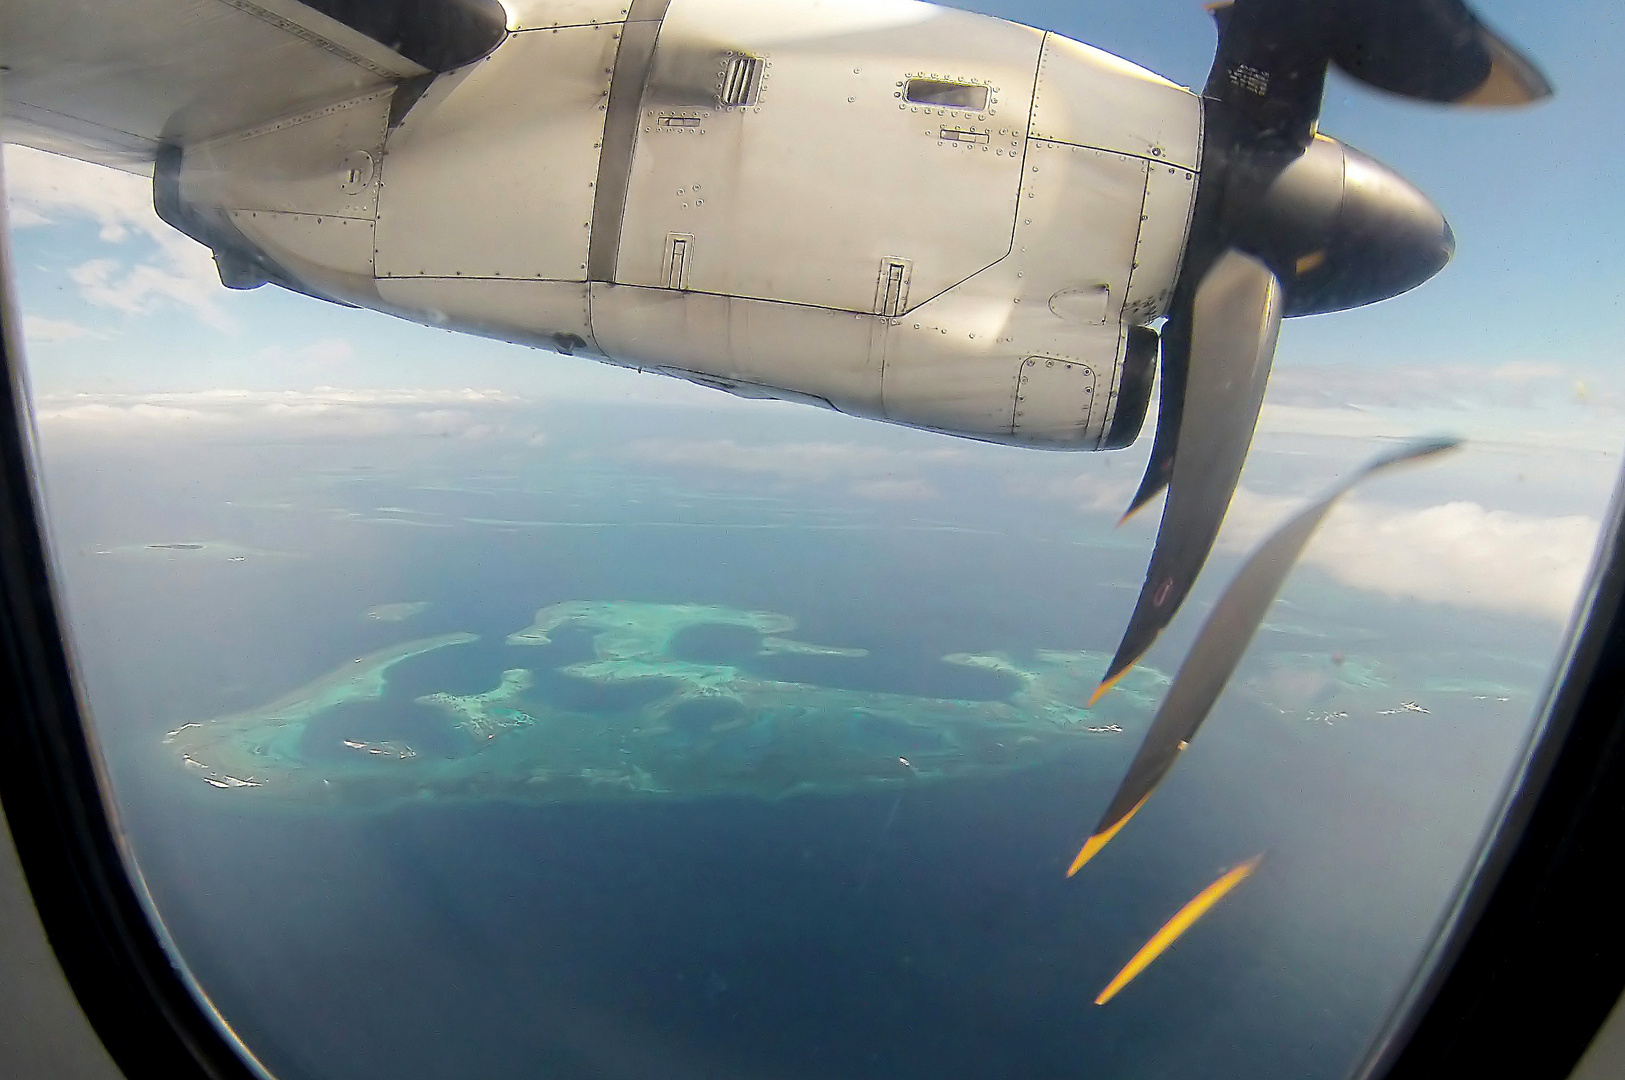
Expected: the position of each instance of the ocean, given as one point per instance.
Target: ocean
(912, 930)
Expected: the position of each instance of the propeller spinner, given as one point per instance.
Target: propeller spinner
(1289, 222)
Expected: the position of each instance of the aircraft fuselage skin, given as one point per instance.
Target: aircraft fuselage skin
(893, 209)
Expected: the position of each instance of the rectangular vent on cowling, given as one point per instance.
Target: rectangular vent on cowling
(741, 82)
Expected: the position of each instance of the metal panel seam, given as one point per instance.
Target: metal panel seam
(704, 292)
(479, 277)
(1021, 175)
(70, 116)
(362, 219)
(575, 26)
(1121, 355)
(1015, 222)
(634, 59)
(1021, 181)
(1147, 158)
(283, 123)
(1190, 207)
(271, 18)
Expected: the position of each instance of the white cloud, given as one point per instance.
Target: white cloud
(47, 189)
(911, 490)
(323, 412)
(1516, 384)
(317, 360)
(134, 289)
(37, 329)
(1453, 551)
(1095, 491)
(1568, 406)
(23, 217)
(1457, 553)
(321, 395)
(804, 461)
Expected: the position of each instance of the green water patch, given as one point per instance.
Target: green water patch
(397, 612)
(789, 660)
(1334, 687)
(715, 643)
(706, 718)
(263, 745)
(328, 738)
(621, 699)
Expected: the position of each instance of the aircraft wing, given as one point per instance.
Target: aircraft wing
(111, 82)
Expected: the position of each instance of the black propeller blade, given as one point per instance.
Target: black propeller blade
(1171, 368)
(1434, 51)
(1220, 644)
(1319, 227)
(1233, 323)
(1272, 57)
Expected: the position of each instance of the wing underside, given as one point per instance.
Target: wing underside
(111, 82)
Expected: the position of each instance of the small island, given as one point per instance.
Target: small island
(262, 744)
(191, 551)
(637, 719)
(396, 612)
(487, 715)
(661, 727)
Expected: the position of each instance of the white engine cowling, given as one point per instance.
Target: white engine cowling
(894, 209)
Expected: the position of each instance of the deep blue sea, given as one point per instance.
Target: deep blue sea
(926, 933)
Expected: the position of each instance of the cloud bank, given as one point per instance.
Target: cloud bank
(46, 189)
(325, 412)
(876, 473)
(1458, 553)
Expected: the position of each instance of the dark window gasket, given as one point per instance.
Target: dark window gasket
(1535, 961)
(138, 1003)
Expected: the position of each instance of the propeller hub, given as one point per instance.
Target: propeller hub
(1371, 233)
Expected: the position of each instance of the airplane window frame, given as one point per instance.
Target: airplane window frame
(141, 1007)
(1537, 903)
(1532, 944)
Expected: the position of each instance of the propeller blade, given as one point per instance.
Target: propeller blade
(1513, 79)
(1270, 67)
(1220, 644)
(1434, 50)
(1174, 928)
(1234, 318)
(1171, 369)
(1273, 53)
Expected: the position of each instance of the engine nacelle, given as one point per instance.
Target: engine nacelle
(889, 208)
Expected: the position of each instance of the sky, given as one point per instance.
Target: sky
(140, 360)
(1515, 345)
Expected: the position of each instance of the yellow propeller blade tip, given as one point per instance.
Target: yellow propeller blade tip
(1175, 927)
(1092, 846)
(1143, 503)
(1108, 682)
